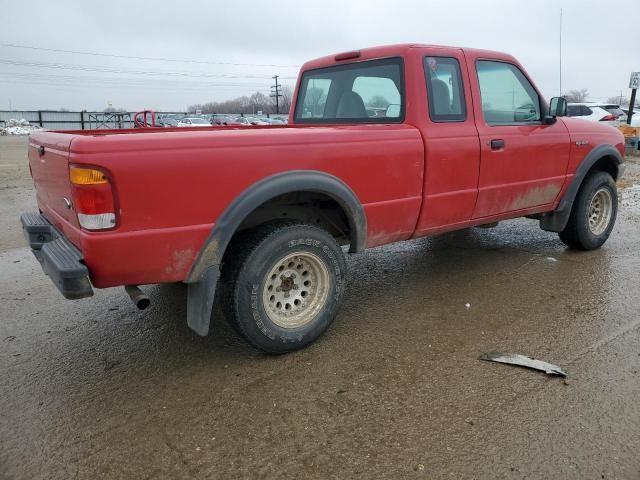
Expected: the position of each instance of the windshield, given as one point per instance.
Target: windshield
(199, 121)
(362, 92)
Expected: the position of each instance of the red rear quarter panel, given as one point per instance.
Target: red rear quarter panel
(172, 186)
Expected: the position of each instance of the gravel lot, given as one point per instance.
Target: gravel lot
(394, 390)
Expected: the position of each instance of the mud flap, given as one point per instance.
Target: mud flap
(200, 299)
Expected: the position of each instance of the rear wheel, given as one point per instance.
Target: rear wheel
(283, 285)
(593, 214)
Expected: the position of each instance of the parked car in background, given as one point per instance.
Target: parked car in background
(239, 121)
(595, 112)
(167, 121)
(273, 121)
(258, 121)
(613, 109)
(220, 119)
(193, 122)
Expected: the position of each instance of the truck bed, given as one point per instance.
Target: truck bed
(171, 184)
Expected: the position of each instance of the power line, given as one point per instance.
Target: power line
(131, 57)
(98, 81)
(132, 88)
(560, 54)
(88, 68)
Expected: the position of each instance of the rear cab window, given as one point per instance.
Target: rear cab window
(508, 98)
(362, 92)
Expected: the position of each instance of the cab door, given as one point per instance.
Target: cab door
(452, 151)
(523, 162)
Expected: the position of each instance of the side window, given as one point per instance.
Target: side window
(444, 89)
(578, 111)
(507, 96)
(380, 95)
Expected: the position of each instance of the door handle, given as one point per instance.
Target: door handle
(496, 144)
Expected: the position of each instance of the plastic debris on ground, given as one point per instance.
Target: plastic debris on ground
(523, 361)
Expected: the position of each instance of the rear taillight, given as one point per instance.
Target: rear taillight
(608, 118)
(92, 198)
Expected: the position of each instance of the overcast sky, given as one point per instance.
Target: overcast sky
(227, 49)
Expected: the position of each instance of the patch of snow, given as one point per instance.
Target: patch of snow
(18, 127)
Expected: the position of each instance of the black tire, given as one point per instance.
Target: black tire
(578, 233)
(248, 274)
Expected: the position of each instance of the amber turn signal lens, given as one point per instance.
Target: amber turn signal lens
(86, 176)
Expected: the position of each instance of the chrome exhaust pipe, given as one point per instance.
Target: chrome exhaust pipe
(137, 296)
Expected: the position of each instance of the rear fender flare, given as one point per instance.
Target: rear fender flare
(204, 273)
(227, 224)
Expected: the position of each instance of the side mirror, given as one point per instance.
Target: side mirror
(558, 107)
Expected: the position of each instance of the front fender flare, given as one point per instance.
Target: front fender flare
(205, 271)
(557, 220)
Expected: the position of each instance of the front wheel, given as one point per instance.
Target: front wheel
(593, 214)
(284, 285)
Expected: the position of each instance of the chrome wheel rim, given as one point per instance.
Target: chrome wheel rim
(600, 211)
(296, 289)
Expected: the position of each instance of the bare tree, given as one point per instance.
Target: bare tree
(619, 100)
(254, 103)
(259, 102)
(576, 96)
(312, 100)
(287, 97)
(622, 100)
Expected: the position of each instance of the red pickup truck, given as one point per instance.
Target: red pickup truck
(383, 144)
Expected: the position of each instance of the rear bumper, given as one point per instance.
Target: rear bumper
(60, 260)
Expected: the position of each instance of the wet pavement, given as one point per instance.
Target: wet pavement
(97, 389)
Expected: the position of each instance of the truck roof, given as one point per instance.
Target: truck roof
(401, 49)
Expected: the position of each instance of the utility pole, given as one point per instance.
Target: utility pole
(560, 56)
(275, 92)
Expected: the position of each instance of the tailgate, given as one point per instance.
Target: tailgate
(49, 164)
